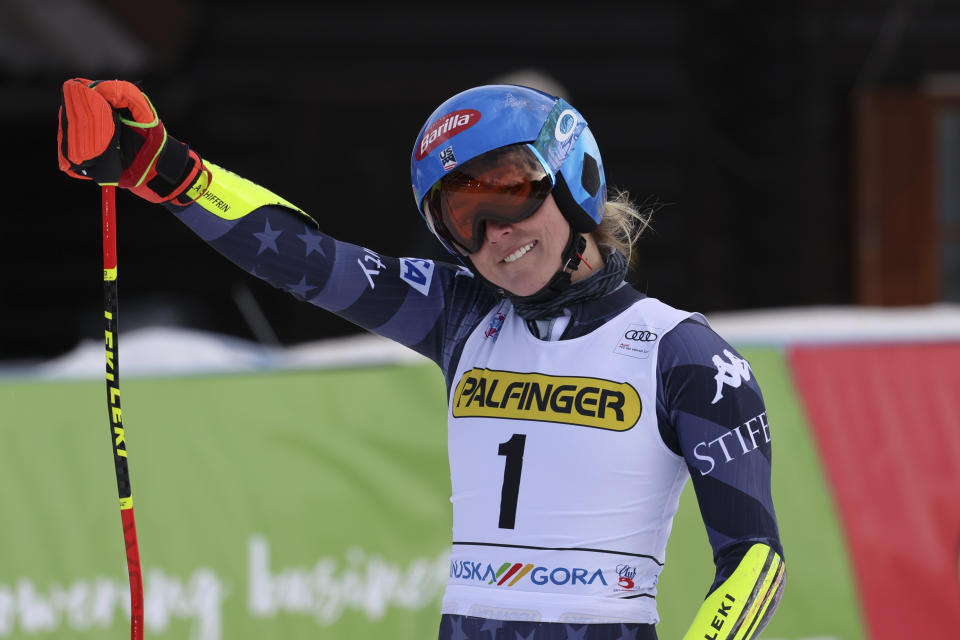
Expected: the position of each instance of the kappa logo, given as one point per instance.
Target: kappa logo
(418, 273)
(444, 128)
(575, 401)
(732, 373)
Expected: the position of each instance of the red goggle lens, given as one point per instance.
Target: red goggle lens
(505, 185)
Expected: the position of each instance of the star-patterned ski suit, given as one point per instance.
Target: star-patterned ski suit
(705, 409)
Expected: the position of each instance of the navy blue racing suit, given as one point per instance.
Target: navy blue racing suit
(432, 307)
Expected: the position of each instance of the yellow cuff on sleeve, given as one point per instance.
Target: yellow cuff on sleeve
(741, 607)
(231, 197)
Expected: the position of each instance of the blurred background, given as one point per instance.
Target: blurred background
(801, 152)
(804, 162)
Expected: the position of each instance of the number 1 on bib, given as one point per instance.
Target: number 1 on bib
(512, 449)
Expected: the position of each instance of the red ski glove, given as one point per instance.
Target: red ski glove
(109, 132)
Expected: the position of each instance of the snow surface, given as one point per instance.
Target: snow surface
(170, 351)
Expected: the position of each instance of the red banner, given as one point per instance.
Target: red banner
(887, 423)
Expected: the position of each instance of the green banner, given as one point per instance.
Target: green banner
(311, 504)
(284, 505)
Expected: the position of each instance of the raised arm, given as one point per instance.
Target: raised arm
(418, 303)
(110, 133)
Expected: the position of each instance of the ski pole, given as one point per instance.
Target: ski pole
(108, 196)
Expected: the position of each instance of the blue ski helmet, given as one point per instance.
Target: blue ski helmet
(488, 117)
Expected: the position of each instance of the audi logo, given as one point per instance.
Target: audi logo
(640, 336)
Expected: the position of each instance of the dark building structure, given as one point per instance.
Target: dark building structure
(740, 122)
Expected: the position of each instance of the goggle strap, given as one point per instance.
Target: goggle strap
(543, 162)
(578, 218)
(553, 142)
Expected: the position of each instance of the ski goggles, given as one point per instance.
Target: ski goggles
(505, 185)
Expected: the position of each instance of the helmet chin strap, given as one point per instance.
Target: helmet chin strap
(560, 282)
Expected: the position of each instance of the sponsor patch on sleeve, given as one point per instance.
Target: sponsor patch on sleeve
(417, 272)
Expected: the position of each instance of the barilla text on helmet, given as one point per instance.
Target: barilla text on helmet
(445, 128)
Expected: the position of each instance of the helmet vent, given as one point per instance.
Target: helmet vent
(590, 178)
